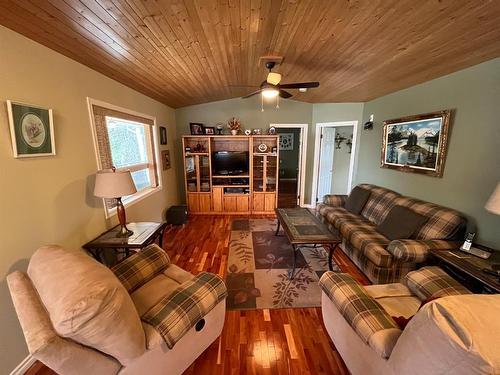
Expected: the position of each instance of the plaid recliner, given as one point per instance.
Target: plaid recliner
(179, 310)
(382, 260)
(368, 318)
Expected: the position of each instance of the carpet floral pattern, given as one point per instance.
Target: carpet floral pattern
(258, 265)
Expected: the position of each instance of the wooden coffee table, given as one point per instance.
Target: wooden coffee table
(303, 228)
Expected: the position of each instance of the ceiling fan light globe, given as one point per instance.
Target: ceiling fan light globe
(273, 78)
(270, 92)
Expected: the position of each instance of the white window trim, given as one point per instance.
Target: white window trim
(142, 194)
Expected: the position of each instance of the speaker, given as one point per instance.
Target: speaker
(177, 215)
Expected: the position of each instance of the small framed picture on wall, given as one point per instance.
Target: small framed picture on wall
(31, 130)
(165, 159)
(163, 135)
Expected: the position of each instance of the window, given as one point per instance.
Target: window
(125, 140)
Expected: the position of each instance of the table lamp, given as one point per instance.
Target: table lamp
(110, 183)
(493, 204)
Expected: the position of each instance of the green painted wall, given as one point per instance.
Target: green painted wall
(472, 167)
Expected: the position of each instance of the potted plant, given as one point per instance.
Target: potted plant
(234, 124)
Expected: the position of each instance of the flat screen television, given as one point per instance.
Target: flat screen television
(232, 163)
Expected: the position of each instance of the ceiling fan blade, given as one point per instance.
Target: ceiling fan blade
(299, 85)
(285, 94)
(251, 94)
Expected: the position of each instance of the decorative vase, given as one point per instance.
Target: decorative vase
(234, 132)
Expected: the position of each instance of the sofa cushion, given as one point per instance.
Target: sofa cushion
(152, 292)
(396, 299)
(364, 237)
(337, 215)
(401, 223)
(433, 282)
(357, 200)
(442, 223)
(379, 203)
(87, 303)
(141, 267)
(160, 286)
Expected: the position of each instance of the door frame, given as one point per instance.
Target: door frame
(303, 155)
(317, 143)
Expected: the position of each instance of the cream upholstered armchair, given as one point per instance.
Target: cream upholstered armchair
(145, 316)
(455, 332)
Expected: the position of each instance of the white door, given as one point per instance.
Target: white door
(327, 148)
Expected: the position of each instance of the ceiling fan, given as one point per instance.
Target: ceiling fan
(271, 87)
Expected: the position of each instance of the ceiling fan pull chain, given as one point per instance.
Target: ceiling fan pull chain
(261, 103)
(278, 102)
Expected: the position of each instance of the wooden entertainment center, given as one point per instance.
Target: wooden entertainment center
(255, 191)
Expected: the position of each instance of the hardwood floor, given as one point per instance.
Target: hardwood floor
(283, 342)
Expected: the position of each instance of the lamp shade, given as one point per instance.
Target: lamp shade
(109, 184)
(493, 204)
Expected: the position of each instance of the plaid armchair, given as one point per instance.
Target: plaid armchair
(382, 260)
(145, 316)
(428, 324)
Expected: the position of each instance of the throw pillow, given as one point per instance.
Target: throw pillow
(401, 223)
(357, 200)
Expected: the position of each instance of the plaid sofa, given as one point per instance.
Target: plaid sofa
(384, 261)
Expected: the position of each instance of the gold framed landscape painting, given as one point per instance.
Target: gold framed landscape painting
(31, 130)
(417, 143)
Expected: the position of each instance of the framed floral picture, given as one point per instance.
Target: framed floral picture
(31, 130)
(417, 143)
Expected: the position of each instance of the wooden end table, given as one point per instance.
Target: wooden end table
(467, 269)
(303, 228)
(145, 233)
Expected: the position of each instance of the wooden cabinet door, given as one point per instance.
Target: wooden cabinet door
(242, 203)
(230, 204)
(217, 198)
(204, 203)
(258, 202)
(269, 202)
(193, 203)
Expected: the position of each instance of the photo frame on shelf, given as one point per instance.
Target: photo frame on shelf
(163, 135)
(196, 128)
(417, 143)
(31, 130)
(209, 130)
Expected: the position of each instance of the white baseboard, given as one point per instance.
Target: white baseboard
(24, 366)
(308, 205)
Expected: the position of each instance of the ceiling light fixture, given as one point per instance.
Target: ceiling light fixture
(270, 92)
(303, 89)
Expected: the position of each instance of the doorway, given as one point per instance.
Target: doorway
(333, 159)
(292, 148)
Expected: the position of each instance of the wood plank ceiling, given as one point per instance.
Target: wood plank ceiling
(194, 51)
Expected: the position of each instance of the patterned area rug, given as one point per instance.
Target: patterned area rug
(258, 265)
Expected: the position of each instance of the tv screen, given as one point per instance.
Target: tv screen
(230, 162)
